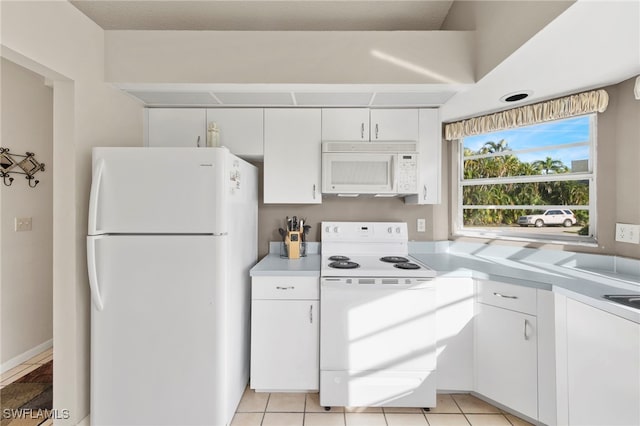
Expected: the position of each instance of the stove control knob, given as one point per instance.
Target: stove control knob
(398, 230)
(327, 229)
(390, 230)
(336, 229)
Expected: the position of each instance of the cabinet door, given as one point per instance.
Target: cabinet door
(292, 151)
(241, 130)
(394, 125)
(177, 127)
(345, 124)
(603, 366)
(430, 146)
(284, 345)
(454, 328)
(506, 358)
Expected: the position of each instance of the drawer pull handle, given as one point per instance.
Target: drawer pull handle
(285, 288)
(505, 296)
(310, 314)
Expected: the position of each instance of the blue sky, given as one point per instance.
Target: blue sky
(545, 134)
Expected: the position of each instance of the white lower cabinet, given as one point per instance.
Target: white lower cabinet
(602, 367)
(285, 334)
(506, 360)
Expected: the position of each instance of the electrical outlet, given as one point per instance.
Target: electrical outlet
(422, 225)
(22, 224)
(628, 233)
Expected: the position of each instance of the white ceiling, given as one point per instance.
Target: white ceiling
(264, 15)
(593, 43)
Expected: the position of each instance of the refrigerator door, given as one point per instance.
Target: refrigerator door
(159, 332)
(159, 191)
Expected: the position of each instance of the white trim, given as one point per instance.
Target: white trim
(526, 151)
(523, 207)
(551, 177)
(17, 360)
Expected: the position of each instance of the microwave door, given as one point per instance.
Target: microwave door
(363, 173)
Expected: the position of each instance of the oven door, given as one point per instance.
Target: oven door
(377, 345)
(359, 173)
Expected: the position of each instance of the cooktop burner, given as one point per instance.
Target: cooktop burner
(343, 264)
(406, 265)
(394, 259)
(341, 258)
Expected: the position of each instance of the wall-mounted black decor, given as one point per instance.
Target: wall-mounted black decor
(27, 163)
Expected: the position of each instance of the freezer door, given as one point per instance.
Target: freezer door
(159, 349)
(158, 190)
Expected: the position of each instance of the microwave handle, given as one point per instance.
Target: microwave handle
(392, 173)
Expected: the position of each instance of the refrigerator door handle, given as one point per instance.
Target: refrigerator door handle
(93, 273)
(94, 197)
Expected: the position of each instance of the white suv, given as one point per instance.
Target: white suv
(549, 217)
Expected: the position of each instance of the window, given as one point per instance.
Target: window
(534, 182)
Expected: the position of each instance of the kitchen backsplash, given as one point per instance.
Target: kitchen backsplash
(270, 216)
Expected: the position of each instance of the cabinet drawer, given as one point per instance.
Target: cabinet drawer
(509, 296)
(285, 287)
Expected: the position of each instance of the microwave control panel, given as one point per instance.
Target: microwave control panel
(408, 173)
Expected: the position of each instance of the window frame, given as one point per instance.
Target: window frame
(459, 230)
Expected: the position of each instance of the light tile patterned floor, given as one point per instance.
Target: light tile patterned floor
(298, 409)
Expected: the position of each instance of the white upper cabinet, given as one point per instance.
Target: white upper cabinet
(394, 125)
(430, 146)
(176, 127)
(241, 130)
(345, 124)
(292, 154)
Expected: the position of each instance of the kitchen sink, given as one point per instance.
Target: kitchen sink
(632, 300)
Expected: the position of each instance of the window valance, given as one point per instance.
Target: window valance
(568, 106)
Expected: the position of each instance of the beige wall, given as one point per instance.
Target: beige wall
(492, 20)
(26, 274)
(54, 39)
(272, 216)
(289, 57)
(618, 176)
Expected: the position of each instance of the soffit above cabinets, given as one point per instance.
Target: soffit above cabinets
(267, 15)
(298, 96)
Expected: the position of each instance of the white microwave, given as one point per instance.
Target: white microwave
(383, 169)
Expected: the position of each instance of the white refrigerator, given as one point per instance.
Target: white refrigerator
(172, 236)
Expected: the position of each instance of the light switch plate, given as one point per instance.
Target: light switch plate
(22, 224)
(422, 225)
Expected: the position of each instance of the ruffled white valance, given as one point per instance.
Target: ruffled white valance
(568, 106)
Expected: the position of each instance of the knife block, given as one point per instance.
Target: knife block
(293, 244)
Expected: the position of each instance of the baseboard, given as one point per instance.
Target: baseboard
(15, 361)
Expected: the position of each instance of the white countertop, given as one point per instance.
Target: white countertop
(582, 277)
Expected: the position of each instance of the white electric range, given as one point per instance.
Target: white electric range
(377, 318)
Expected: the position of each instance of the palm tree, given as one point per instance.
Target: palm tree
(549, 165)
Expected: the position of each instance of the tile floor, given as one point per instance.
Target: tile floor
(21, 370)
(299, 409)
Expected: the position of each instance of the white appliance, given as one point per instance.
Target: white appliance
(383, 169)
(377, 318)
(172, 235)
